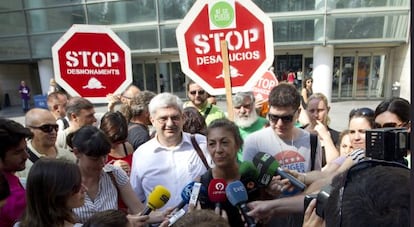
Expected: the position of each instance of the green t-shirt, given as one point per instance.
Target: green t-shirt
(244, 132)
(214, 113)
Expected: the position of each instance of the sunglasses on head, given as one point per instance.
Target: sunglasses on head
(47, 128)
(285, 119)
(361, 166)
(365, 111)
(200, 92)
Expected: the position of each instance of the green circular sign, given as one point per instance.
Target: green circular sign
(222, 14)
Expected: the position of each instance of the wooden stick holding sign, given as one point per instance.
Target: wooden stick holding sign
(227, 79)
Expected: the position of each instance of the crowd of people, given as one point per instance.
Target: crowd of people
(65, 167)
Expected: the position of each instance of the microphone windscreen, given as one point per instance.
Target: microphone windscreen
(217, 190)
(266, 165)
(158, 197)
(236, 193)
(186, 192)
(248, 170)
(248, 175)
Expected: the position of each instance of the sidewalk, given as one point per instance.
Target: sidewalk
(338, 113)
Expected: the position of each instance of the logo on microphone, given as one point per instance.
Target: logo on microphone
(220, 186)
(239, 189)
(164, 198)
(187, 190)
(265, 157)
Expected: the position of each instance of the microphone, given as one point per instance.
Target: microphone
(185, 195)
(237, 195)
(217, 191)
(248, 176)
(156, 199)
(267, 167)
(190, 196)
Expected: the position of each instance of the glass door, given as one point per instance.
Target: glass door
(358, 76)
(158, 77)
(346, 77)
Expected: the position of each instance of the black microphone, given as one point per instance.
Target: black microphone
(268, 167)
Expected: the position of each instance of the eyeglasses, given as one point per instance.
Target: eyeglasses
(361, 166)
(164, 120)
(285, 119)
(48, 128)
(365, 111)
(200, 92)
(390, 125)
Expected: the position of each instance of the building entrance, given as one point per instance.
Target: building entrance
(160, 76)
(358, 76)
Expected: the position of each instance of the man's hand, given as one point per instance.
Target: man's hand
(261, 211)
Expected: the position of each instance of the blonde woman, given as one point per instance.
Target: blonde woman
(318, 110)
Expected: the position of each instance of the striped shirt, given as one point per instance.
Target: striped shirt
(107, 196)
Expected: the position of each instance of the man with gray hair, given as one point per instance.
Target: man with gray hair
(168, 159)
(245, 116)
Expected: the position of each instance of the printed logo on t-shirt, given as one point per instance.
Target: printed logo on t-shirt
(291, 159)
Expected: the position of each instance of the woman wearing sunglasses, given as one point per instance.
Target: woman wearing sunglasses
(394, 113)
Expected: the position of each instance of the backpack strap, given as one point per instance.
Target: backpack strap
(32, 157)
(121, 208)
(199, 151)
(208, 110)
(314, 144)
(112, 176)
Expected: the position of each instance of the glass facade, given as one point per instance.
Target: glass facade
(29, 28)
(148, 26)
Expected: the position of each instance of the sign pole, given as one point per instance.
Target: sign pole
(227, 79)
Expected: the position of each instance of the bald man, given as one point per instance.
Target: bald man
(43, 125)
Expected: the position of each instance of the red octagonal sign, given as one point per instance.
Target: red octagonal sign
(249, 35)
(92, 61)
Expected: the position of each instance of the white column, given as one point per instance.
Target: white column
(322, 70)
(45, 74)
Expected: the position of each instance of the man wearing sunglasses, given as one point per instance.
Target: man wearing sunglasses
(198, 98)
(42, 144)
(289, 145)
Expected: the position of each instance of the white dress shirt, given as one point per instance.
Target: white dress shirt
(173, 168)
